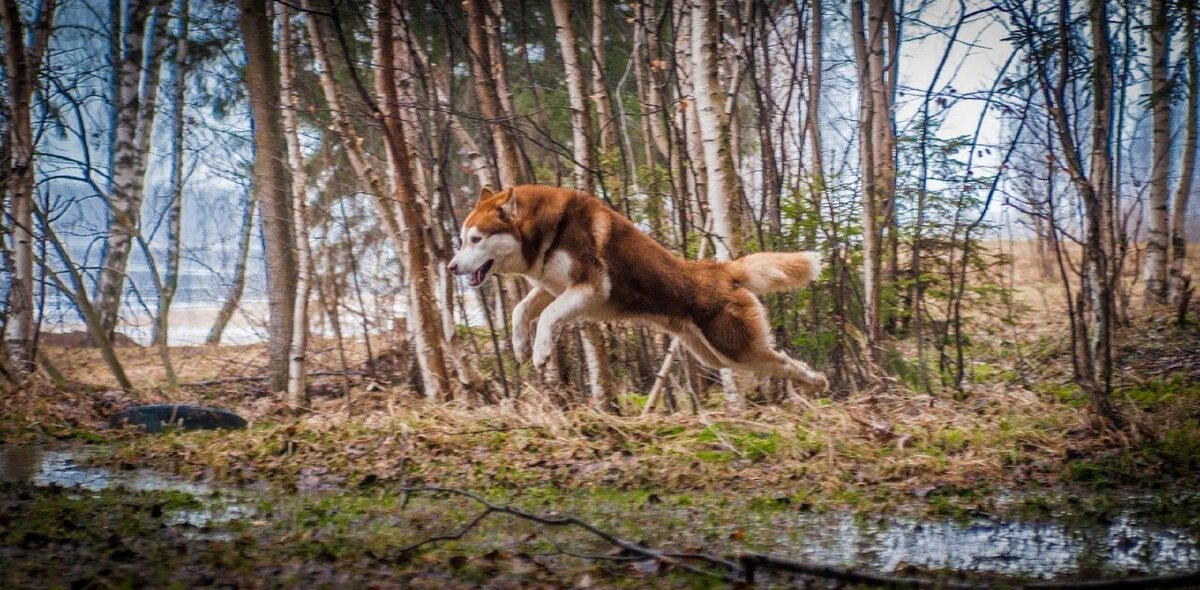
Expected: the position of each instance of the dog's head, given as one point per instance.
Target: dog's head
(490, 239)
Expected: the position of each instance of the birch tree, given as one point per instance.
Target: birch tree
(297, 391)
(721, 182)
(135, 104)
(271, 182)
(876, 147)
(1160, 105)
(722, 190)
(483, 73)
(21, 66)
(594, 352)
(424, 319)
(1180, 281)
(170, 281)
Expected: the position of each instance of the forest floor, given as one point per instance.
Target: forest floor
(1007, 481)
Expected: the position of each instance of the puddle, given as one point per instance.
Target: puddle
(68, 468)
(1126, 545)
(1130, 543)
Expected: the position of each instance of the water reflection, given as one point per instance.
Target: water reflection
(67, 468)
(1042, 549)
(1128, 544)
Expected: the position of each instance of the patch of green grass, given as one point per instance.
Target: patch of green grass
(754, 446)
(1181, 446)
(1160, 391)
(1063, 392)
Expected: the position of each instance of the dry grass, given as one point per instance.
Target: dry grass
(1019, 420)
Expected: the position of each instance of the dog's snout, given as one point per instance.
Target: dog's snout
(452, 267)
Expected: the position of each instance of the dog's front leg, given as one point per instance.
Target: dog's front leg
(573, 303)
(525, 316)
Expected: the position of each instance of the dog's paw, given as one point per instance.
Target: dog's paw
(521, 344)
(541, 352)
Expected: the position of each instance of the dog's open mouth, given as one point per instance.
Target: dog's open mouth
(481, 273)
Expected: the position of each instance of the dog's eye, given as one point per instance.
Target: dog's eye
(475, 239)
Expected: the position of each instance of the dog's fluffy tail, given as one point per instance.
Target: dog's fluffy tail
(772, 272)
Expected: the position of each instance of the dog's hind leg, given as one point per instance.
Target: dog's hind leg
(698, 345)
(777, 364)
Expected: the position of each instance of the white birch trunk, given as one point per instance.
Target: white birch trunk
(1179, 279)
(594, 352)
(137, 88)
(1155, 271)
(21, 65)
(297, 389)
(174, 223)
(720, 183)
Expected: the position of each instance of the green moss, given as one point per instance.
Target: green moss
(1161, 391)
(754, 446)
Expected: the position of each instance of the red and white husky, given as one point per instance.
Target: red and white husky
(587, 261)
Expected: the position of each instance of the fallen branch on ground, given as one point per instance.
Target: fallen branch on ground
(254, 378)
(744, 570)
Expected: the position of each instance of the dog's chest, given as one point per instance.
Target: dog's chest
(555, 275)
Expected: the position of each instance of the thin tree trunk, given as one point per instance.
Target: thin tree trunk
(1160, 106)
(721, 182)
(234, 298)
(1187, 171)
(872, 193)
(137, 93)
(594, 352)
(424, 321)
(271, 183)
(21, 68)
(482, 71)
(470, 150)
(175, 209)
(297, 389)
(600, 94)
(77, 290)
(583, 152)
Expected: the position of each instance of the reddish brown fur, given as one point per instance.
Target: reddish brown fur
(645, 280)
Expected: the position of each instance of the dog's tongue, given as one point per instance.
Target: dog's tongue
(479, 274)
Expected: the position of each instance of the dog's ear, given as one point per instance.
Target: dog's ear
(508, 205)
(485, 193)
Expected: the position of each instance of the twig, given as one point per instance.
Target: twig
(749, 564)
(754, 562)
(567, 521)
(253, 378)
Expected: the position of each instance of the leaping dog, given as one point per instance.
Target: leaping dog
(585, 260)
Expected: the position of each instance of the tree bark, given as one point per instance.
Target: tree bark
(1155, 271)
(866, 43)
(582, 151)
(594, 351)
(482, 71)
(21, 67)
(721, 182)
(271, 183)
(600, 93)
(297, 388)
(175, 208)
(424, 319)
(1187, 172)
(135, 105)
(234, 298)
